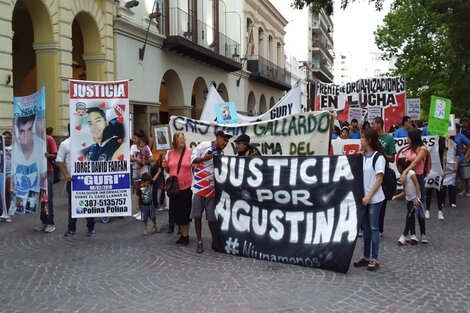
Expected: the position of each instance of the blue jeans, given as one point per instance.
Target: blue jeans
(371, 230)
(422, 187)
(48, 218)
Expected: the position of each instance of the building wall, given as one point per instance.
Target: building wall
(51, 22)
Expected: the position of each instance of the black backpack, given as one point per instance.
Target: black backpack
(389, 182)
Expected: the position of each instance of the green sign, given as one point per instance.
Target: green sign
(439, 116)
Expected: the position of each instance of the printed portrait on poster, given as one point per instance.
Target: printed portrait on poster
(226, 113)
(162, 137)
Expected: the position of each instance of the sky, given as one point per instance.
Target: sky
(353, 29)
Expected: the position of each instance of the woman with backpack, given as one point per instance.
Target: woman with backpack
(374, 195)
(417, 153)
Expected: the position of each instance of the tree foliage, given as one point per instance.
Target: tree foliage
(427, 37)
(430, 39)
(327, 5)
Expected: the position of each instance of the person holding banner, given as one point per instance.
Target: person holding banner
(373, 176)
(64, 163)
(244, 148)
(180, 205)
(51, 153)
(203, 183)
(388, 145)
(7, 137)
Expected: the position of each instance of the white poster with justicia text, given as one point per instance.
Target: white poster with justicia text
(100, 156)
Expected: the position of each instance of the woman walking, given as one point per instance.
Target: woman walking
(416, 154)
(373, 171)
(178, 163)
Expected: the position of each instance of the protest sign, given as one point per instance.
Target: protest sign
(439, 116)
(100, 169)
(226, 113)
(288, 105)
(28, 161)
(373, 112)
(301, 134)
(297, 210)
(161, 133)
(413, 108)
(353, 146)
(355, 113)
(387, 93)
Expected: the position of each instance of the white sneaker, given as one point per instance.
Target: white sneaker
(402, 240)
(462, 193)
(427, 215)
(424, 239)
(468, 194)
(136, 215)
(453, 205)
(414, 240)
(138, 218)
(440, 215)
(49, 228)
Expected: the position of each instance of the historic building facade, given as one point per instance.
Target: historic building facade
(47, 42)
(171, 50)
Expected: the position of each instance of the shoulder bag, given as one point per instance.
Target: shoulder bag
(171, 184)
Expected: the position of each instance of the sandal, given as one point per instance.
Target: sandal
(362, 261)
(373, 265)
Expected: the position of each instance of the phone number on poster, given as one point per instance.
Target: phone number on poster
(103, 202)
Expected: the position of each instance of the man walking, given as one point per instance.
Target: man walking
(203, 183)
(64, 163)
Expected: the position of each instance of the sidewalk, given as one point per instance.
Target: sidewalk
(118, 270)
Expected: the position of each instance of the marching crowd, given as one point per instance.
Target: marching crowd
(378, 148)
(186, 176)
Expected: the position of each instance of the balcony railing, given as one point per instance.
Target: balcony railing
(268, 72)
(326, 74)
(183, 24)
(316, 43)
(317, 22)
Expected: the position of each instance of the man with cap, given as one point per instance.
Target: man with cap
(203, 183)
(244, 148)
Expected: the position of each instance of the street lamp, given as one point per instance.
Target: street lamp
(306, 66)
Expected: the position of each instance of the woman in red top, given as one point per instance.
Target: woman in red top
(180, 204)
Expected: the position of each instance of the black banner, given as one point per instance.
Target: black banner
(297, 210)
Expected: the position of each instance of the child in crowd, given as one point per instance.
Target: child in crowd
(412, 195)
(157, 173)
(147, 211)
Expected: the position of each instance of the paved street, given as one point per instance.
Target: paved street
(118, 270)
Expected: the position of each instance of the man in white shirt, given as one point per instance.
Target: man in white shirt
(64, 163)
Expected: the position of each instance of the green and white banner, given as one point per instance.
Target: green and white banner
(439, 116)
(304, 134)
